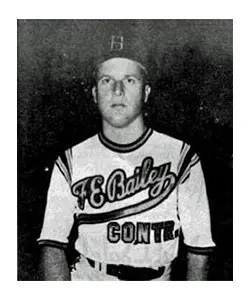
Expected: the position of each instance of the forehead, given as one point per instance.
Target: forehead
(119, 67)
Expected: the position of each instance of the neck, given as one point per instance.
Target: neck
(125, 135)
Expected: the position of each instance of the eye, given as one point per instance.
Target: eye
(131, 80)
(105, 81)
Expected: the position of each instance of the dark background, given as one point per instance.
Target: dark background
(191, 100)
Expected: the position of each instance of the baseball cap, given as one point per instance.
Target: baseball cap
(122, 39)
(122, 46)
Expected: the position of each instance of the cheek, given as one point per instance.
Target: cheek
(103, 98)
(136, 90)
(103, 94)
(136, 97)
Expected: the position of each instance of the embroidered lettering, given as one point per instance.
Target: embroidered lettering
(141, 233)
(158, 180)
(113, 232)
(116, 42)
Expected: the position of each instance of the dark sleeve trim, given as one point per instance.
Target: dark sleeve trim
(53, 243)
(200, 250)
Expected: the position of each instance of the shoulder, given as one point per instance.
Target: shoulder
(66, 158)
(166, 140)
(84, 145)
(87, 145)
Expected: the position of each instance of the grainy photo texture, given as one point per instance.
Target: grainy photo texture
(125, 150)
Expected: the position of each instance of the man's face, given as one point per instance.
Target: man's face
(120, 91)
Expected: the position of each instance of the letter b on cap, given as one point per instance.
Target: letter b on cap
(116, 42)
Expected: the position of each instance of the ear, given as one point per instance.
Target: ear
(147, 92)
(94, 94)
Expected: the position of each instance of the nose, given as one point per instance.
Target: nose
(118, 88)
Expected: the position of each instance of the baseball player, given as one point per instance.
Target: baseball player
(129, 189)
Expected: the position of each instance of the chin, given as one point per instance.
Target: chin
(119, 123)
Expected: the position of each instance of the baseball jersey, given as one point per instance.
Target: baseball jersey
(129, 201)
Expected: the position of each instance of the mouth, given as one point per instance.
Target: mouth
(118, 105)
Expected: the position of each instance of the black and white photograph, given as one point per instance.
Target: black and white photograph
(125, 149)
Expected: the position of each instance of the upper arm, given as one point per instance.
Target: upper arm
(59, 213)
(193, 207)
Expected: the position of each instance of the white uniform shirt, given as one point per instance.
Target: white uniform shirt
(129, 201)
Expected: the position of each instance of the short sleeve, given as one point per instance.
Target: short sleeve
(193, 207)
(59, 213)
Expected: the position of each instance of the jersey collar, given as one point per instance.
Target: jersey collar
(123, 148)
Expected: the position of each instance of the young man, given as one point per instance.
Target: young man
(129, 189)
